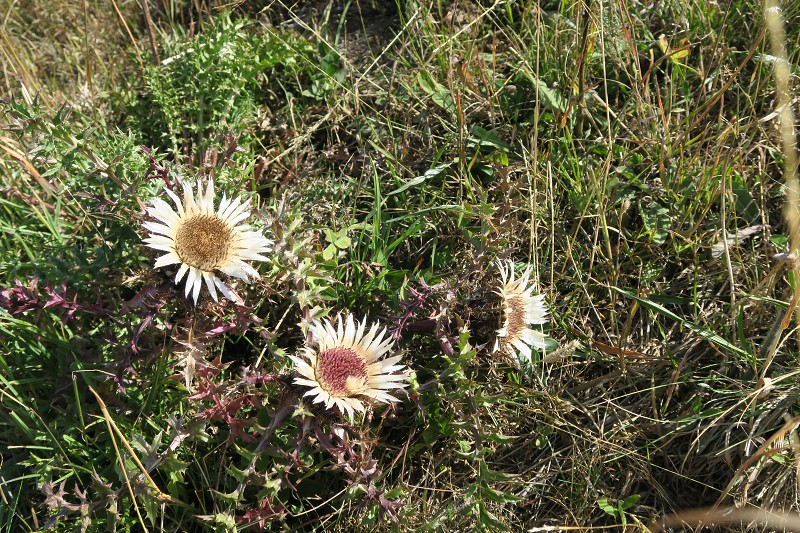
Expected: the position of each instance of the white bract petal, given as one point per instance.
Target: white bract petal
(204, 241)
(521, 308)
(343, 366)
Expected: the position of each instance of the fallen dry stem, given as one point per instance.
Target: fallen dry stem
(708, 516)
(781, 72)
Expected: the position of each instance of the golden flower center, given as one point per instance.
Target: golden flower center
(515, 314)
(342, 372)
(203, 242)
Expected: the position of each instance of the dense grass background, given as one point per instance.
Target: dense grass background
(630, 151)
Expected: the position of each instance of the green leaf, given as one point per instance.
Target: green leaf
(746, 206)
(225, 520)
(629, 502)
(550, 344)
(233, 497)
(656, 221)
(606, 506)
(780, 241)
(21, 110)
(426, 82)
(151, 509)
(342, 242)
(438, 92)
(413, 182)
(550, 98)
(329, 252)
(669, 299)
(237, 474)
(486, 139)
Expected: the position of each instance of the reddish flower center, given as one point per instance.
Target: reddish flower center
(515, 314)
(341, 372)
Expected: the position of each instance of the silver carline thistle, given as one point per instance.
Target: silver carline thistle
(521, 307)
(203, 240)
(343, 365)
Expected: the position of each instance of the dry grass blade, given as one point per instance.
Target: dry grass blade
(6, 145)
(782, 72)
(707, 517)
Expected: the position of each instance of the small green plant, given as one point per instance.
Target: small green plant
(618, 508)
(215, 85)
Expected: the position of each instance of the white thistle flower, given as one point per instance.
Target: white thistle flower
(521, 307)
(344, 365)
(203, 240)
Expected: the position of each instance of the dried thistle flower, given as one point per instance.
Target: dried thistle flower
(203, 240)
(521, 307)
(192, 356)
(343, 365)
